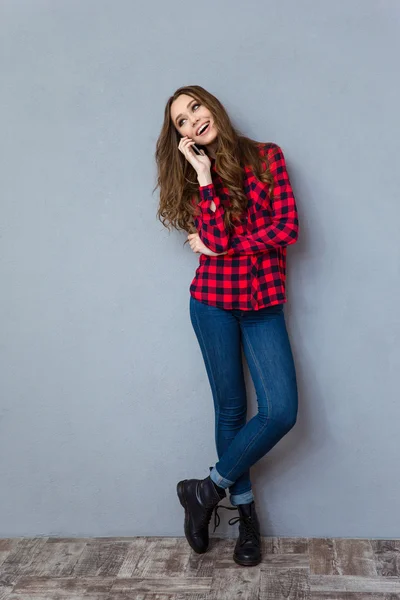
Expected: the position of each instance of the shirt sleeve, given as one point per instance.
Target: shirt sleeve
(209, 224)
(284, 228)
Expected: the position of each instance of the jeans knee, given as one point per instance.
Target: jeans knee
(285, 422)
(291, 422)
(288, 413)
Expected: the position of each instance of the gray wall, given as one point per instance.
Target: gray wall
(105, 403)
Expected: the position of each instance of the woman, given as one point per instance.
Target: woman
(236, 203)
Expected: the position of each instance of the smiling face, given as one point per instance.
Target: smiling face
(188, 115)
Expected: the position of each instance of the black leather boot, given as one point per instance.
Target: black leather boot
(198, 497)
(248, 546)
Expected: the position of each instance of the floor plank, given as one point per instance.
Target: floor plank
(241, 582)
(166, 568)
(284, 584)
(387, 557)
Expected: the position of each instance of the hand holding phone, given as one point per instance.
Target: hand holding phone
(197, 158)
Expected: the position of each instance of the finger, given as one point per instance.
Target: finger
(184, 145)
(188, 142)
(181, 142)
(188, 147)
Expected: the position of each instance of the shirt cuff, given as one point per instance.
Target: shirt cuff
(207, 193)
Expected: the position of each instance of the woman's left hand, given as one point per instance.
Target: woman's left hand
(198, 246)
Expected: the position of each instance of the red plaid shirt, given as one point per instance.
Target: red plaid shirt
(253, 272)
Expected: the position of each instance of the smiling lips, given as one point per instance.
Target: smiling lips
(206, 129)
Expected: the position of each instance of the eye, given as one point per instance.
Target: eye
(193, 105)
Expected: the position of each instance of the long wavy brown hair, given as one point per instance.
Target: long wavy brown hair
(177, 179)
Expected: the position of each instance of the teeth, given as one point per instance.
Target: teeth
(202, 128)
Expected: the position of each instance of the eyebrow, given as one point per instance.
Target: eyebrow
(180, 114)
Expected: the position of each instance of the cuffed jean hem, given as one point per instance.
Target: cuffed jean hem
(219, 480)
(244, 498)
(235, 499)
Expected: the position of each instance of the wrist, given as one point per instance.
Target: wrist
(204, 178)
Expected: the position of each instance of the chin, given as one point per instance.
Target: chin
(208, 142)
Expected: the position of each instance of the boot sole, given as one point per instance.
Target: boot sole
(182, 499)
(246, 564)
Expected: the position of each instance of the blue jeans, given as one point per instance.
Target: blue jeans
(262, 333)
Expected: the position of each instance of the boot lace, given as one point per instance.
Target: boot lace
(249, 531)
(216, 515)
(206, 517)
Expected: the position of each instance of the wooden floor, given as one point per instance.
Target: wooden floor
(165, 568)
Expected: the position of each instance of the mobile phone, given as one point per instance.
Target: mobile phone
(196, 149)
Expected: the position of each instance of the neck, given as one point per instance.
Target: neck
(211, 149)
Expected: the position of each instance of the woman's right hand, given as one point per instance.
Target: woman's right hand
(201, 163)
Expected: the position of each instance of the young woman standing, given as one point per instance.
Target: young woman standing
(236, 202)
